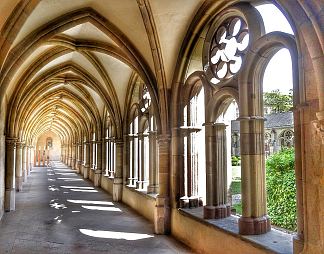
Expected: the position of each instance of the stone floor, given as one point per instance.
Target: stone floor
(59, 212)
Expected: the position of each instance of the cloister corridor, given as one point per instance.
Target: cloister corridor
(60, 212)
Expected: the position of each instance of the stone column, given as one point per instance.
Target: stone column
(98, 171)
(28, 160)
(131, 161)
(210, 144)
(77, 157)
(19, 178)
(118, 178)
(254, 219)
(70, 155)
(153, 186)
(87, 157)
(35, 156)
(62, 153)
(103, 156)
(80, 159)
(162, 208)
(140, 158)
(222, 209)
(177, 168)
(65, 154)
(91, 162)
(73, 156)
(24, 163)
(10, 175)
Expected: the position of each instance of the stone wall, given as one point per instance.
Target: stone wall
(55, 151)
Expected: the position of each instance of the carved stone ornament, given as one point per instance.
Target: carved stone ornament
(227, 48)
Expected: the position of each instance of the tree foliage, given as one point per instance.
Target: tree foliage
(277, 101)
(281, 189)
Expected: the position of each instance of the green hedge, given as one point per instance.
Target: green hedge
(281, 189)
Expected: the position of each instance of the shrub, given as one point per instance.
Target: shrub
(281, 189)
(236, 161)
(235, 187)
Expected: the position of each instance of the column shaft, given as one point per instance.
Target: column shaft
(118, 176)
(254, 219)
(153, 174)
(10, 175)
(19, 179)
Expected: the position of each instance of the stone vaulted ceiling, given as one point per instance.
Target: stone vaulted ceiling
(70, 63)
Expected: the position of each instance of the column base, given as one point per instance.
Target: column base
(209, 212)
(86, 172)
(19, 183)
(162, 216)
(118, 189)
(184, 202)
(152, 189)
(254, 226)
(217, 212)
(97, 178)
(298, 244)
(10, 198)
(193, 202)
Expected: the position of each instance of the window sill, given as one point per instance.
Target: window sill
(275, 240)
(142, 192)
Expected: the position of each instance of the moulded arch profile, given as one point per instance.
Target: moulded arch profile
(251, 26)
(220, 101)
(257, 59)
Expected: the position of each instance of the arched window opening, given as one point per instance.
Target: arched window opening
(229, 167)
(193, 191)
(279, 141)
(273, 19)
(94, 151)
(110, 150)
(133, 152)
(142, 143)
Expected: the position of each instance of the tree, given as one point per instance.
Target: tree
(277, 101)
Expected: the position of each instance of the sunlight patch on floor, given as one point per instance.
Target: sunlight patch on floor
(76, 187)
(80, 190)
(115, 235)
(90, 202)
(102, 208)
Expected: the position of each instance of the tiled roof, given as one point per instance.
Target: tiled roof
(277, 120)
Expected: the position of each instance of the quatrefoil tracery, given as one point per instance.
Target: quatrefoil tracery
(228, 46)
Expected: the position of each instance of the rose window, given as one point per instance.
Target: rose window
(227, 49)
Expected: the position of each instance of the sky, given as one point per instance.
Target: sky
(278, 74)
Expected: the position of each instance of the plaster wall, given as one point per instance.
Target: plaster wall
(207, 239)
(143, 204)
(55, 151)
(107, 184)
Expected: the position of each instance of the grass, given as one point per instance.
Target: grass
(238, 208)
(235, 187)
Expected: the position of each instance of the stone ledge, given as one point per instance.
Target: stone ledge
(274, 241)
(143, 193)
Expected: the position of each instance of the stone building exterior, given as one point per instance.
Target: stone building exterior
(135, 92)
(278, 133)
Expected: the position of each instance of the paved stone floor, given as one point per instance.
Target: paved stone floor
(59, 212)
